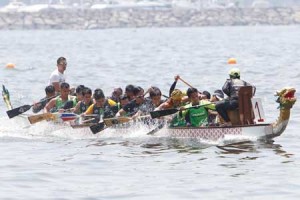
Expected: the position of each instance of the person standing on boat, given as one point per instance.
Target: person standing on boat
(231, 89)
(50, 93)
(58, 103)
(57, 76)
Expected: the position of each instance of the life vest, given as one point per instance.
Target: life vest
(83, 107)
(232, 87)
(59, 103)
(105, 111)
(198, 116)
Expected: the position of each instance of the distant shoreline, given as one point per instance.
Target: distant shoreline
(86, 19)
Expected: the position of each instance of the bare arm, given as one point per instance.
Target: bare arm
(121, 112)
(51, 104)
(56, 86)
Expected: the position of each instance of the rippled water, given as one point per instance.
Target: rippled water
(45, 161)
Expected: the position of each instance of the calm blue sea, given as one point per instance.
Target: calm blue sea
(45, 161)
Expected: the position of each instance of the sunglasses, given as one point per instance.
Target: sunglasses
(63, 64)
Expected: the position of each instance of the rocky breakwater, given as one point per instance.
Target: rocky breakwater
(77, 19)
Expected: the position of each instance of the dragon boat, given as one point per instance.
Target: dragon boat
(243, 120)
(261, 131)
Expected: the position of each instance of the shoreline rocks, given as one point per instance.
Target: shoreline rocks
(84, 19)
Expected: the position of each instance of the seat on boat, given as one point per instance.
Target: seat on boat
(245, 105)
(244, 115)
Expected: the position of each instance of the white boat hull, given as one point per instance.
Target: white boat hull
(261, 131)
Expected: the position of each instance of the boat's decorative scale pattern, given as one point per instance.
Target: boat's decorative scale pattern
(205, 133)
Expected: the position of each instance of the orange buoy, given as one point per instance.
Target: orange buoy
(10, 66)
(231, 61)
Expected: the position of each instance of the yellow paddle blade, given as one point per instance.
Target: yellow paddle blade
(116, 120)
(40, 117)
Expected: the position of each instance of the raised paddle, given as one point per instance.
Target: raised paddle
(161, 113)
(6, 97)
(187, 84)
(19, 110)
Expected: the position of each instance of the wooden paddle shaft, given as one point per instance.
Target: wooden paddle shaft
(188, 84)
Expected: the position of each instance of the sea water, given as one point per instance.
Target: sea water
(48, 161)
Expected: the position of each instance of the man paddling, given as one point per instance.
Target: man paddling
(196, 116)
(57, 76)
(58, 103)
(50, 93)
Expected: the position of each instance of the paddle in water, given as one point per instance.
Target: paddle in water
(19, 110)
(96, 128)
(112, 121)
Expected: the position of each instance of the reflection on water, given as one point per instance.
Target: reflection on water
(254, 147)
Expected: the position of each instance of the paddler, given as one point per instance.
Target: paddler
(50, 92)
(58, 103)
(101, 106)
(197, 116)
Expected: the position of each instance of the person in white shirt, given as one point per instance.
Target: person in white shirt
(57, 76)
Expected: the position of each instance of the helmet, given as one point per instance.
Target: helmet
(176, 95)
(231, 61)
(235, 72)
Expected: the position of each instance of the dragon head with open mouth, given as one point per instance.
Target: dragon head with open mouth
(286, 97)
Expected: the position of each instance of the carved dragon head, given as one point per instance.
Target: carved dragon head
(286, 97)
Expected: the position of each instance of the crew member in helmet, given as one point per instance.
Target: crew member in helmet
(175, 101)
(231, 89)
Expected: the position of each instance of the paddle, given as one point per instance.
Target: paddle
(112, 121)
(40, 117)
(116, 120)
(54, 116)
(6, 97)
(156, 129)
(187, 84)
(19, 110)
(96, 128)
(108, 122)
(161, 113)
